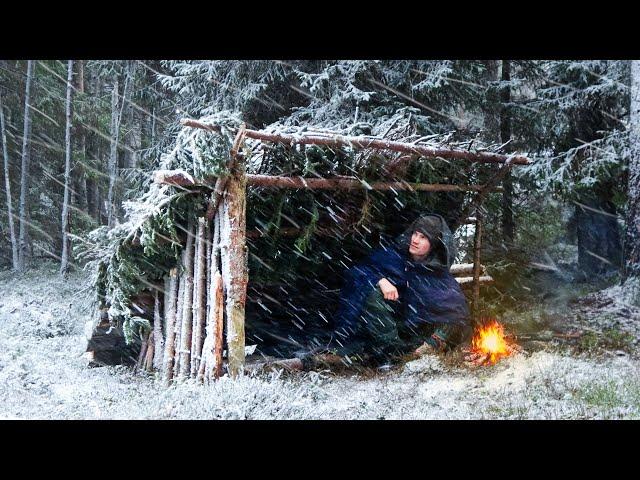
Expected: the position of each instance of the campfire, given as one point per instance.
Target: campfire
(489, 344)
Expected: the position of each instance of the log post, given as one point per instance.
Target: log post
(234, 257)
(200, 298)
(218, 326)
(178, 323)
(143, 350)
(477, 244)
(211, 363)
(158, 340)
(170, 299)
(147, 364)
(187, 308)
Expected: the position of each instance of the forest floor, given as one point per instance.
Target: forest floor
(580, 361)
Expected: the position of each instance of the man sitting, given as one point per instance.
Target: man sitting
(403, 299)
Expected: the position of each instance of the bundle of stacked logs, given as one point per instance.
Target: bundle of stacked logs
(203, 301)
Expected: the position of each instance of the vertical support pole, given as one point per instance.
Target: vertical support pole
(187, 306)
(218, 327)
(234, 258)
(170, 299)
(477, 244)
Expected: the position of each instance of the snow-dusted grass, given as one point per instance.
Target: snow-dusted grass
(43, 375)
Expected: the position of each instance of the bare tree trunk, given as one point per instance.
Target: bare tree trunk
(200, 298)
(187, 307)
(81, 176)
(153, 127)
(23, 258)
(7, 186)
(234, 263)
(218, 324)
(66, 241)
(632, 240)
(170, 299)
(147, 364)
(91, 190)
(217, 299)
(194, 303)
(143, 350)
(129, 156)
(179, 315)
(117, 109)
(113, 156)
(508, 226)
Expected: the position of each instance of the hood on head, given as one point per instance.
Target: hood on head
(443, 250)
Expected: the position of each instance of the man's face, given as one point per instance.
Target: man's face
(419, 245)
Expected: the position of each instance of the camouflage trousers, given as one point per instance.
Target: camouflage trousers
(382, 333)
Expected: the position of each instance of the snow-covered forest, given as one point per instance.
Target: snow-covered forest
(94, 231)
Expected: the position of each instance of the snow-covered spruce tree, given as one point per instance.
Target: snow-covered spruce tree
(580, 135)
(261, 91)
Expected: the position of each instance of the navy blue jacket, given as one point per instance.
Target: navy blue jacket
(428, 293)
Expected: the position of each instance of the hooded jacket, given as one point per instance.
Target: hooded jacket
(428, 293)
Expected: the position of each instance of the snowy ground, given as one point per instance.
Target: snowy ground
(43, 375)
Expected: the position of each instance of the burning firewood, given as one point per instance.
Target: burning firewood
(490, 344)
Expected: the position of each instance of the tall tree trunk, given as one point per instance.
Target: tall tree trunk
(113, 156)
(23, 258)
(81, 176)
(599, 242)
(491, 115)
(117, 109)
(632, 240)
(131, 135)
(508, 226)
(7, 186)
(92, 209)
(93, 205)
(153, 127)
(66, 241)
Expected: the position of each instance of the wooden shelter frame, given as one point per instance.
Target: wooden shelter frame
(228, 201)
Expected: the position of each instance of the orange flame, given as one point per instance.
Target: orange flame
(489, 340)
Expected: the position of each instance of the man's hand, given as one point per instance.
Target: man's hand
(388, 290)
